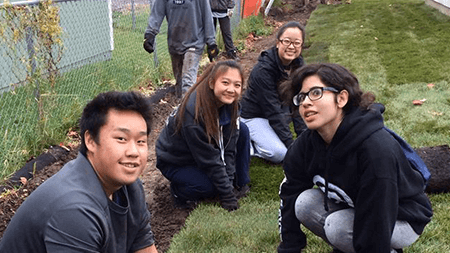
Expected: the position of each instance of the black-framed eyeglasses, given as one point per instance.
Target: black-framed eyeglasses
(315, 93)
(287, 42)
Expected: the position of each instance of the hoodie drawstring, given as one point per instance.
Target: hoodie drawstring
(327, 166)
(325, 198)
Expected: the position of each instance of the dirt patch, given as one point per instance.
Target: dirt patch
(166, 220)
(437, 160)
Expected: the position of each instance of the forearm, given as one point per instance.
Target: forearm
(151, 249)
(376, 214)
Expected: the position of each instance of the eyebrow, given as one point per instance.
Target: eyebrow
(292, 39)
(312, 88)
(229, 79)
(126, 130)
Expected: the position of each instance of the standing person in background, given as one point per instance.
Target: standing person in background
(95, 203)
(222, 10)
(262, 108)
(368, 198)
(190, 27)
(204, 149)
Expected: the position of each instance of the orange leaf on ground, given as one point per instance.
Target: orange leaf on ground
(418, 102)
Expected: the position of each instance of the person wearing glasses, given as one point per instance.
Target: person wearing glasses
(264, 113)
(346, 178)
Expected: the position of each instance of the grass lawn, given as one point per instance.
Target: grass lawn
(128, 69)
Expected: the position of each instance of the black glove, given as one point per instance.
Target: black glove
(149, 40)
(229, 202)
(213, 52)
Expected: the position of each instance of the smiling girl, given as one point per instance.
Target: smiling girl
(204, 149)
(263, 112)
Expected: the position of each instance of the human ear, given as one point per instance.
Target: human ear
(89, 141)
(342, 98)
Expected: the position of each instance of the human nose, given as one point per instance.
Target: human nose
(232, 89)
(307, 100)
(132, 150)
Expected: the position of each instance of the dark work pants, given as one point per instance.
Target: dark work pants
(225, 28)
(242, 176)
(191, 183)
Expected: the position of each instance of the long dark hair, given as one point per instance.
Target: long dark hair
(206, 106)
(336, 76)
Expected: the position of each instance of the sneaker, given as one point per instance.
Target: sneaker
(241, 192)
(184, 204)
(181, 203)
(252, 149)
(232, 54)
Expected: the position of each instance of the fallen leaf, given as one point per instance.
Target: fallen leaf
(72, 133)
(434, 113)
(418, 102)
(23, 180)
(64, 147)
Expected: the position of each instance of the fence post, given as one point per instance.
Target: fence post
(32, 61)
(30, 49)
(133, 14)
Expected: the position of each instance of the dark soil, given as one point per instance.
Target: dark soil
(167, 220)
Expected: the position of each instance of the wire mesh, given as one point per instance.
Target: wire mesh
(102, 51)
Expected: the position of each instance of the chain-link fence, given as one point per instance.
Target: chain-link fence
(47, 75)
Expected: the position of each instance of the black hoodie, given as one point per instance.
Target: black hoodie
(190, 147)
(368, 167)
(262, 99)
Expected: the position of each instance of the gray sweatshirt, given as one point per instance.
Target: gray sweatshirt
(190, 24)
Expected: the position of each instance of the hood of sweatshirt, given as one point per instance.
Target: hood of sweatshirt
(355, 128)
(271, 58)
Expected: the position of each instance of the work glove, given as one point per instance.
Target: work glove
(149, 41)
(230, 12)
(229, 202)
(213, 52)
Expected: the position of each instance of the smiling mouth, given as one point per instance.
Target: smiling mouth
(130, 165)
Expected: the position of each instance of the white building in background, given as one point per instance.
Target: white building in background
(442, 5)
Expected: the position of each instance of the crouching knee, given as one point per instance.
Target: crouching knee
(339, 229)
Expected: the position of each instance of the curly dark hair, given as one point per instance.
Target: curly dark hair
(336, 76)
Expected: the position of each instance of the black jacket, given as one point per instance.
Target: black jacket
(190, 147)
(368, 166)
(221, 5)
(262, 98)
